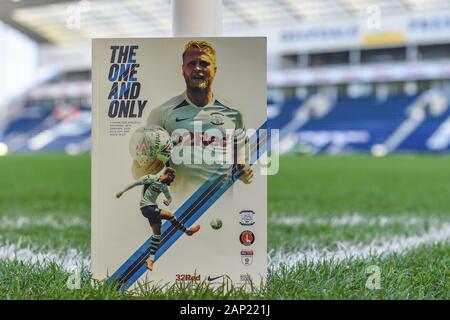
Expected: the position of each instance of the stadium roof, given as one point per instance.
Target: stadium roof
(61, 21)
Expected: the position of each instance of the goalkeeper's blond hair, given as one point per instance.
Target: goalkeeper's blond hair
(202, 45)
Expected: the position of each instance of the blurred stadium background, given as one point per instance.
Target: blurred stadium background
(344, 76)
(361, 77)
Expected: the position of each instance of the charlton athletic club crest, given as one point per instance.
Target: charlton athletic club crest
(247, 257)
(247, 218)
(247, 238)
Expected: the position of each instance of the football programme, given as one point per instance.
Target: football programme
(193, 157)
(301, 153)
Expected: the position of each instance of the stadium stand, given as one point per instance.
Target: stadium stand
(358, 124)
(312, 47)
(348, 125)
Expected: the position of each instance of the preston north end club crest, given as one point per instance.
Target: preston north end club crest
(247, 218)
(217, 118)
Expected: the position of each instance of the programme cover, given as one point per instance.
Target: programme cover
(177, 189)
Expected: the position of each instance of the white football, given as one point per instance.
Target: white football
(150, 142)
(216, 223)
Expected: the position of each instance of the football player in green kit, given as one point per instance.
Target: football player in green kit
(198, 107)
(153, 187)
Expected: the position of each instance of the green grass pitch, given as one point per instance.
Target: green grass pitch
(330, 219)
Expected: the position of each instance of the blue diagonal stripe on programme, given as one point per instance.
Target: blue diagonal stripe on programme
(133, 269)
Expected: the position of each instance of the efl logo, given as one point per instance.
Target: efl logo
(247, 257)
(247, 238)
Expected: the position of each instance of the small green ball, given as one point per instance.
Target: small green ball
(216, 223)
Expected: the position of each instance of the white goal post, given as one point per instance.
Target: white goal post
(197, 18)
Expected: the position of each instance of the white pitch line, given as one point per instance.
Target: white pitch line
(21, 222)
(69, 261)
(380, 247)
(73, 259)
(352, 220)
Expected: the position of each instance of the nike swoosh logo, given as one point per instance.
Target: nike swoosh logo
(212, 279)
(181, 119)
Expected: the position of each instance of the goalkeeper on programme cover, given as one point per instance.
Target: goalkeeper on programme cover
(153, 187)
